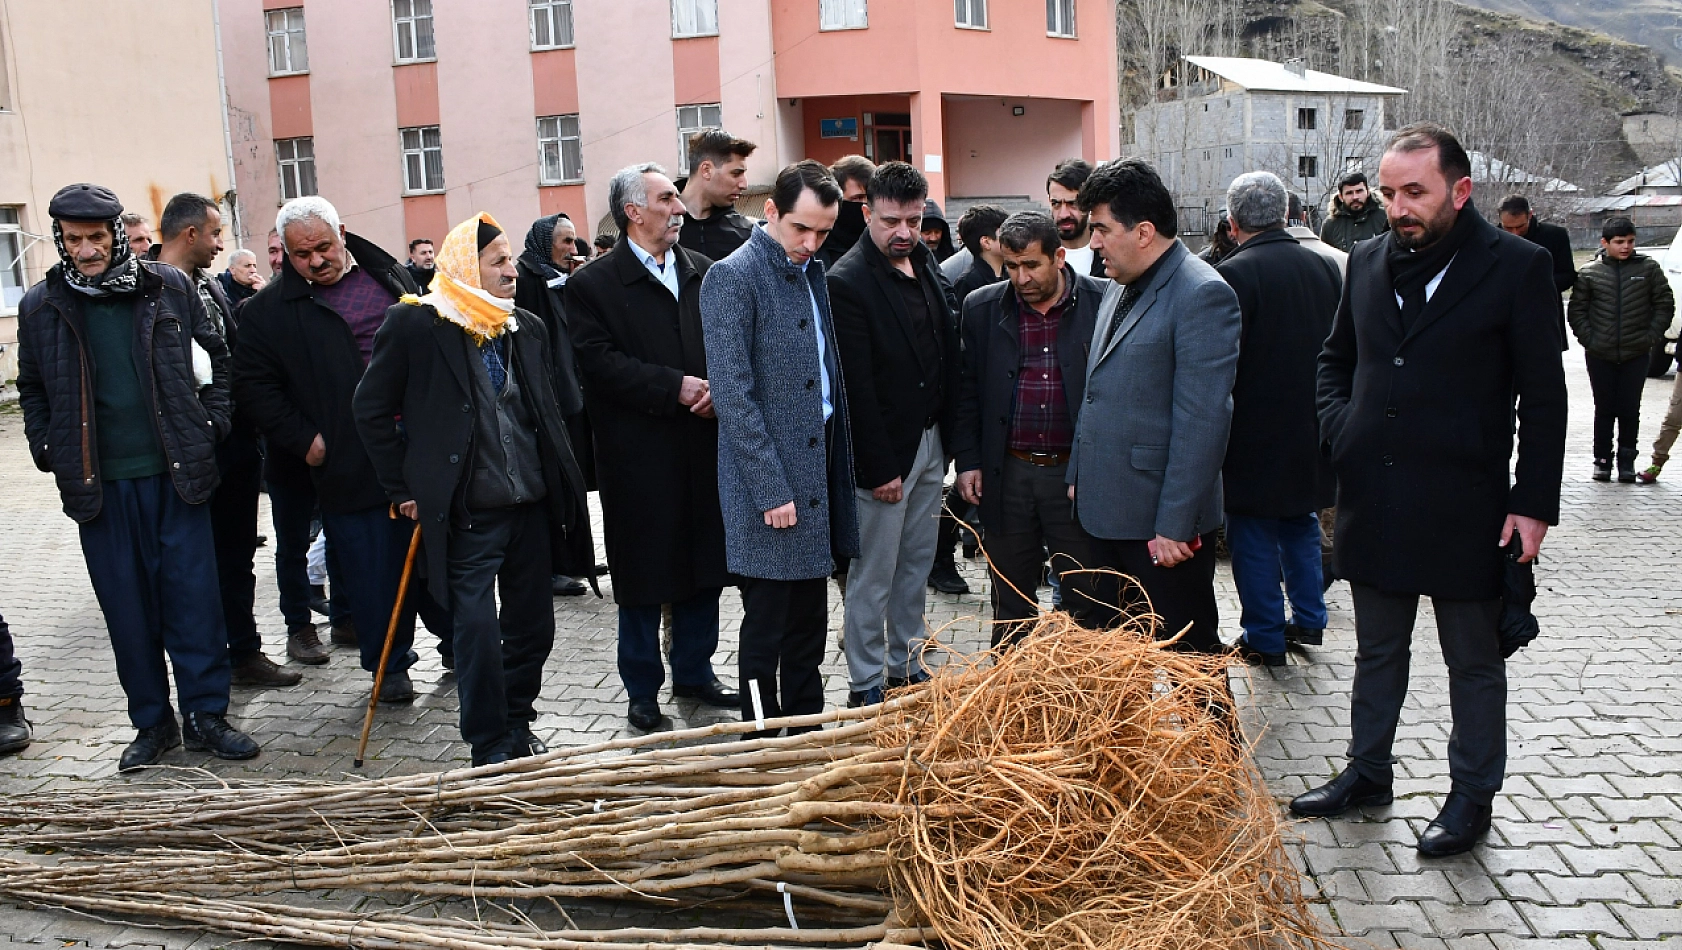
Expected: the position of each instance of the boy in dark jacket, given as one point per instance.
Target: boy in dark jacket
(1620, 307)
(113, 408)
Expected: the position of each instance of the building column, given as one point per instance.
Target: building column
(928, 142)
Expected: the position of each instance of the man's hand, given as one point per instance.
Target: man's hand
(1166, 552)
(889, 494)
(1071, 493)
(782, 517)
(317, 455)
(409, 510)
(692, 389)
(704, 406)
(969, 486)
(257, 282)
(1530, 535)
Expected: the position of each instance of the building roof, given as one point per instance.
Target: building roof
(1662, 175)
(1264, 75)
(1490, 170)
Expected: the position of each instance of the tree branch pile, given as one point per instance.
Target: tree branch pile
(1082, 789)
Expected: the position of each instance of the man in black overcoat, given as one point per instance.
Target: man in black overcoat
(1443, 325)
(458, 413)
(1276, 477)
(635, 316)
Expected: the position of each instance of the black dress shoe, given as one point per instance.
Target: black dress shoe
(1339, 795)
(1304, 636)
(564, 586)
(527, 743)
(1255, 657)
(601, 569)
(946, 579)
(397, 688)
(210, 732)
(14, 728)
(645, 714)
(150, 745)
(262, 539)
(713, 694)
(1456, 829)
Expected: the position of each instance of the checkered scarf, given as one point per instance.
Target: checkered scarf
(121, 277)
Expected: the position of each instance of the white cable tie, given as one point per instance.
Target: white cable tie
(599, 803)
(788, 905)
(758, 707)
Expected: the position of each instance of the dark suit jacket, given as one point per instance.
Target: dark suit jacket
(414, 410)
(296, 370)
(1288, 295)
(656, 462)
(986, 396)
(885, 378)
(1557, 242)
(1420, 424)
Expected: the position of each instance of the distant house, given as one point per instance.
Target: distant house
(1216, 117)
(1504, 178)
(1664, 178)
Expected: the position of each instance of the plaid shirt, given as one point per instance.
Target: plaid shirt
(361, 302)
(1040, 420)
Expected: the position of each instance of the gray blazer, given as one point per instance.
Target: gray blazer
(1151, 437)
(762, 364)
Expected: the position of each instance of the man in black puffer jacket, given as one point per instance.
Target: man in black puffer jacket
(1620, 308)
(112, 407)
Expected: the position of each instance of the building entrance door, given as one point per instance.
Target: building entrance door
(887, 136)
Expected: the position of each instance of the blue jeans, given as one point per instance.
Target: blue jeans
(1266, 552)
(152, 560)
(292, 506)
(694, 638)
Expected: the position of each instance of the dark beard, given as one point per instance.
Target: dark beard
(1434, 230)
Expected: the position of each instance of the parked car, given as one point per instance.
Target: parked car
(1670, 258)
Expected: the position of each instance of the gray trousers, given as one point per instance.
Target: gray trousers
(886, 585)
(1477, 686)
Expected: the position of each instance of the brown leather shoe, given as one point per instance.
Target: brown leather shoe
(343, 634)
(259, 670)
(304, 645)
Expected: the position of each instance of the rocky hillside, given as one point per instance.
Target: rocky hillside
(1655, 23)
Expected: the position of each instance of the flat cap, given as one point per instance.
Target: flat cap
(85, 202)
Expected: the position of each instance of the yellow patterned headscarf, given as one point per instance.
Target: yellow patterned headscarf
(455, 290)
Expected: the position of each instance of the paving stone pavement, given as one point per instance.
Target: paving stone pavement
(1586, 850)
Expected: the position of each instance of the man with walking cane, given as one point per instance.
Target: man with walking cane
(459, 416)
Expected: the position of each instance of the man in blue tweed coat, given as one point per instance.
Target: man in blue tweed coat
(785, 470)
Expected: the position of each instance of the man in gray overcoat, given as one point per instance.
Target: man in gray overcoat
(785, 470)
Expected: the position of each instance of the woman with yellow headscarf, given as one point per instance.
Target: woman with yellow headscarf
(459, 415)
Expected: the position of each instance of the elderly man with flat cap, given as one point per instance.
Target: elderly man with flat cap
(113, 408)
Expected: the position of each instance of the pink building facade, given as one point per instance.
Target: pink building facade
(412, 114)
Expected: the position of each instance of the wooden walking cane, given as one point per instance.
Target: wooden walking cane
(390, 634)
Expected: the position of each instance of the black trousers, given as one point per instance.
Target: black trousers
(784, 626)
(500, 656)
(1617, 399)
(1037, 517)
(233, 521)
(292, 505)
(953, 528)
(1477, 686)
(1179, 595)
(11, 686)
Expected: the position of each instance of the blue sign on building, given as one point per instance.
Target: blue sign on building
(847, 128)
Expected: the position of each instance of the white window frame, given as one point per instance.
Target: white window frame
(553, 137)
(970, 14)
(11, 259)
(699, 121)
(292, 167)
(414, 159)
(1060, 19)
(843, 15)
(296, 52)
(409, 26)
(554, 14)
(694, 18)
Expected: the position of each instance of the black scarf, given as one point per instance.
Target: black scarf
(1412, 271)
(540, 247)
(121, 276)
